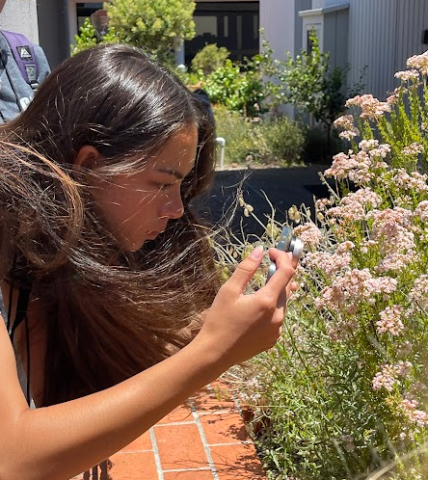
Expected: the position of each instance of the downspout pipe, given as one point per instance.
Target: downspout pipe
(54, 30)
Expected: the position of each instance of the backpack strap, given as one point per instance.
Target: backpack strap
(25, 56)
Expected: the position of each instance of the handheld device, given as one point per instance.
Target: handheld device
(288, 243)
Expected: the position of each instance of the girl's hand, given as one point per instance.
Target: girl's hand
(239, 326)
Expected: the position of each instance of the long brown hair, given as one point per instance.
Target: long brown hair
(110, 313)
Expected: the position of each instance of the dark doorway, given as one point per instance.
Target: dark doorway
(234, 25)
(84, 10)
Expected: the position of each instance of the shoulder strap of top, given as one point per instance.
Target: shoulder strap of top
(21, 309)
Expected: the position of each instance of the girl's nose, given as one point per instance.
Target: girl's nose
(173, 208)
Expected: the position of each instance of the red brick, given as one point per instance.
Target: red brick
(189, 475)
(237, 462)
(140, 444)
(224, 428)
(179, 414)
(180, 447)
(134, 466)
(207, 401)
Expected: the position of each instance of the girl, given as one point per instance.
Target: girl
(107, 275)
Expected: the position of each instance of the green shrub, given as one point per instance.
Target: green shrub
(238, 87)
(284, 139)
(260, 141)
(156, 31)
(210, 58)
(345, 390)
(88, 37)
(237, 131)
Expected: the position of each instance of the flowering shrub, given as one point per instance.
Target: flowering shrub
(344, 391)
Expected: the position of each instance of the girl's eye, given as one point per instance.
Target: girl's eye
(163, 186)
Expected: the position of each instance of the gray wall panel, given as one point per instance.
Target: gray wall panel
(372, 43)
(382, 35)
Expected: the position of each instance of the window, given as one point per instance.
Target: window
(206, 29)
(85, 10)
(310, 30)
(233, 25)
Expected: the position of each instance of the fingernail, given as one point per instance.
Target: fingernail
(257, 253)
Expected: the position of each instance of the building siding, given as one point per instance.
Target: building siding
(372, 39)
(414, 19)
(382, 35)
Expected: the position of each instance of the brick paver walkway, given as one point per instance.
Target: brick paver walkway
(205, 439)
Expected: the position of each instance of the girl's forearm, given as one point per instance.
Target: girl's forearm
(71, 437)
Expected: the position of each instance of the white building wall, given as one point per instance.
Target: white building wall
(21, 16)
(382, 35)
(281, 24)
(278, 23)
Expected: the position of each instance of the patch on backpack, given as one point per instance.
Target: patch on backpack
(24, 52)
(24, 102)
(31, 72)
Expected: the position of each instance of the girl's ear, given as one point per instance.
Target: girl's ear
(86, 158)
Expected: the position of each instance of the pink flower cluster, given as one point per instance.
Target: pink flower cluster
(372, 108)
(419, 62)
(419, 293)
(375, 149)
(355, 205)
(390, 222)
(342, 331)
(328, 263)
(359, 167)
(364, 197)
(309, 233)
(345, 247)
(407, 75)
(390, 321)
(340, 167)
(413, 414)
(346, 122)
(354, 288)
(389, 375)
(323, 203)
(422, 211)
(413, 150)
(392, 230)
(395, 96)
(413, 182)
(361, 172)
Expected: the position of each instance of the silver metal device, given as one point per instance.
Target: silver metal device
(287, 243)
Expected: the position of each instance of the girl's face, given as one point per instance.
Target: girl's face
(138, 207)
